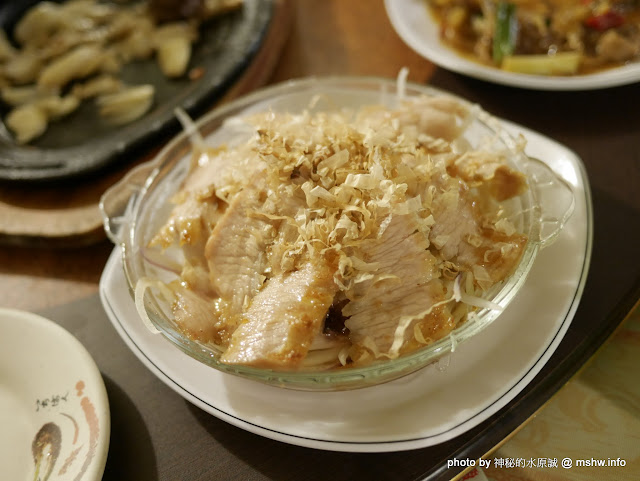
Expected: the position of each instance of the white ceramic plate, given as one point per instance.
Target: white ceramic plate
(413, 22)
(54, 411)
(423, 409)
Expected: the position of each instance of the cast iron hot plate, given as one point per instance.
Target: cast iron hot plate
(81, 143)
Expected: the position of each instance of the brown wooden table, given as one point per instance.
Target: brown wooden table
(152, 427)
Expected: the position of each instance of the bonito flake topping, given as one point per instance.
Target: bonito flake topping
(339, 238)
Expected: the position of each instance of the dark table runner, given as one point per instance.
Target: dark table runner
(156, 435)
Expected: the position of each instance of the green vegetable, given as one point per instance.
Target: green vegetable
(506, 31)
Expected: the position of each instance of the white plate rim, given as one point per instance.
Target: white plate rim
(95, 470)
(153, 360)
(416, 28)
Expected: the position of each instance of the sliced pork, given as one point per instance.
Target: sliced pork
(235, 251)
(405, 286)
(284, 318)
(202, 198)
(199, 316)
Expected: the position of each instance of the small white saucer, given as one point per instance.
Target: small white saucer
(54, 410)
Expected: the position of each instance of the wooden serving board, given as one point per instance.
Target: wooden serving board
(67, 213)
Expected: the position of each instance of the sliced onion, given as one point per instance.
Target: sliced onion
(190, 129)
(141, 287)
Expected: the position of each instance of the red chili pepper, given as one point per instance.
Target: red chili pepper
(604, 21)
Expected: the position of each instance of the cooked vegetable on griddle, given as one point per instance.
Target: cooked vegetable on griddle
(76, 50)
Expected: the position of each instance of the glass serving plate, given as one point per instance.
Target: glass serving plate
(138, 205)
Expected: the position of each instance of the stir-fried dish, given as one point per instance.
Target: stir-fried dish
(545, 37)
(338, 238)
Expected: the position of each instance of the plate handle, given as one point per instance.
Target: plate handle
(555, 199)
(117, 201)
